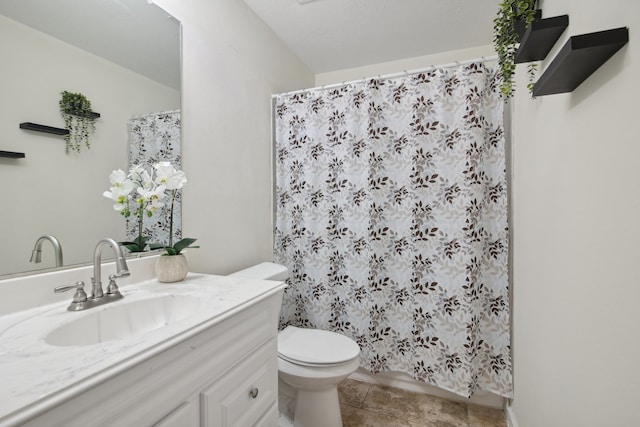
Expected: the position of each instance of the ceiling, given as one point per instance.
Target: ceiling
(330, 35)
(131, 33)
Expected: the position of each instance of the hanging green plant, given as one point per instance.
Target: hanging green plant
(78, 118)
(505, 40)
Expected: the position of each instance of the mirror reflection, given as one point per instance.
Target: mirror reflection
(124, 56)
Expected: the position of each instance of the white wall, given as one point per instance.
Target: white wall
(576, 205)
(232, 63)
(49, 192)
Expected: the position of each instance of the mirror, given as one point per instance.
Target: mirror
(124, 56)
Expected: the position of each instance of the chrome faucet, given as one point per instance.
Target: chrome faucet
(36, 254)
(98, 296)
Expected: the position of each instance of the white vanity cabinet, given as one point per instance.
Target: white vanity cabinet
(223, 375)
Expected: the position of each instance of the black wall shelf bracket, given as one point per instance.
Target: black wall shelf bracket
(42, 128)
(11, 154)
(578, 59)
(540, 38)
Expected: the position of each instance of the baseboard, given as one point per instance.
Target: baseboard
(511, 416)
(405, 382)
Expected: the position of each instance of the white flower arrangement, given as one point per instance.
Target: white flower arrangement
(142, 192)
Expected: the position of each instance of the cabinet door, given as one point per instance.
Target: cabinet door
(185, 415)
(242, 395)
(270, 418)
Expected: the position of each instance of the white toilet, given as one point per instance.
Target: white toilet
(310, 361)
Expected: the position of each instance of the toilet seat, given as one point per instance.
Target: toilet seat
(315, 347)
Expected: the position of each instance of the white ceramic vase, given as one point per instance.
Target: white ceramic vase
(171, 268)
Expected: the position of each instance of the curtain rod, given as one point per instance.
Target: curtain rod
(391, 76)
(140, 116)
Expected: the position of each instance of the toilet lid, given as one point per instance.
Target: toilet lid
(315, 346)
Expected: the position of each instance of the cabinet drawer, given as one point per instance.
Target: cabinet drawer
(244, 393)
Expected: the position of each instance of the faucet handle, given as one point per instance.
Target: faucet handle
(79, 296)
(112, 289)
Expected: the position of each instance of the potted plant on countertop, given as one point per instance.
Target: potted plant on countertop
(146, 191)
(172, 266)
(79, 119)
(505, 40)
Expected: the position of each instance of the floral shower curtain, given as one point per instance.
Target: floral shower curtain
(391, 205)
(154, 138)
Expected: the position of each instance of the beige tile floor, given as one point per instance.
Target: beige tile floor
(370, 405)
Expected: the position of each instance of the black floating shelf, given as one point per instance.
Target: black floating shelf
(91, 114)
(578, 59)
(43, 128)
(521, 26)
(11, 154)
(540, 38)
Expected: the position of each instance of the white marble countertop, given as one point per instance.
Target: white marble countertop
(36, 376)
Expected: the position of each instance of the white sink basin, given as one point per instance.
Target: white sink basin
(124, 320)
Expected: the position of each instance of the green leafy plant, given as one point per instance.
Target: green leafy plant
(505, 40)
(176, 248)
(139, 244)
(79, 119)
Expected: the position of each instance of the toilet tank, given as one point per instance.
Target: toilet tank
(264, 271)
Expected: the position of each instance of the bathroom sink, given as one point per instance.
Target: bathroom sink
(123, 321)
